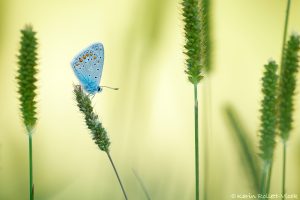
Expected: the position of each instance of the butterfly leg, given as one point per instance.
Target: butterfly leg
(92, 99)
(92, 96)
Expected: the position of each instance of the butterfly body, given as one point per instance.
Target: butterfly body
(88, 65)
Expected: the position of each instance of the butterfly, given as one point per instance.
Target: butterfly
(88, 65)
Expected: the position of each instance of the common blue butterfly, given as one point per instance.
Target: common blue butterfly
(88, 66)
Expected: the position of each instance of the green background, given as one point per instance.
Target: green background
(150, 119)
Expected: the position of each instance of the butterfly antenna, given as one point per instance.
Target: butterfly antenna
(110, 87)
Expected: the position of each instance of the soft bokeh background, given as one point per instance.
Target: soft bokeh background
(150, 119)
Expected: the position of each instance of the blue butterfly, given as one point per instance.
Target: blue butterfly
(88, 66)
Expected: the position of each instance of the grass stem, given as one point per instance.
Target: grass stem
(264, 177)
(283, 170)
(196, 139)
(31, 194)
(269, 178)
(285, 30)
(281, 68)
(118, 177)
(206, 133)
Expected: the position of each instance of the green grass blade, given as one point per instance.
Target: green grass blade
(246, 150)
(141, 182)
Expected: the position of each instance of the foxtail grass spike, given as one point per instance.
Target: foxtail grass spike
(268, 111)
(206, 62)
(27, 61)
(98, 132)
(287, 85)
(280, 98)
(268, 122)
(191, 18)
(205, 47)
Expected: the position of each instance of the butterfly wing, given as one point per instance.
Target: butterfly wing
(97, 61)
(88, 66)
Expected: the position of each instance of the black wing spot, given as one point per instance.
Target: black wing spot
(98, 69)
(95, 76)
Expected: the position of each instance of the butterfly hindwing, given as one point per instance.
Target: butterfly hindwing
(88, 66)
(97, 62)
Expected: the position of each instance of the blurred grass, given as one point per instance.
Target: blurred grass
(142, 184)
(145, 32)
(246, 149)
(298, 162)
(47, 185)
(2, 24)
(15, 168)
(142, 40)
(2, 18)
